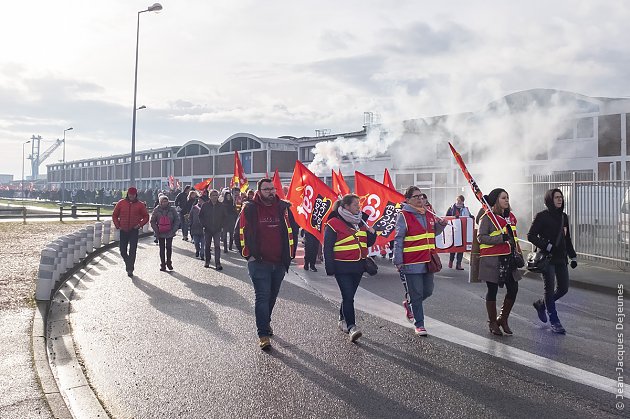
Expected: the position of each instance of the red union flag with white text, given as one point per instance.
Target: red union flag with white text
(311, 200)
(381, 203)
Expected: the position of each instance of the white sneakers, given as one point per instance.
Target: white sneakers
(354, 333)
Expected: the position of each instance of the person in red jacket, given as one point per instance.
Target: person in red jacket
(129, 216)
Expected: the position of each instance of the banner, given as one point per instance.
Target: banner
(203, 184)
(311, 200)
(381, 203)
(457, 236)
(387, 180)
(278, 185)
(239, 180)
(171, 182)
(339, 184)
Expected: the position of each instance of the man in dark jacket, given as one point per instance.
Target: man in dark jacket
(212, 216)
(129, 216)
(267, 238)
(550, 232)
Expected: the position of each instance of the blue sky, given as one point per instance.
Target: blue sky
(211, 69)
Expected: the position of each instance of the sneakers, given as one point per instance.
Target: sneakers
(421, 331)
(540, 309)
(354, 333)
(408, 312)
(459, 268)
(169, 265)
(306, 267)
(207, 265)
(342, 326)
(264, 343)
(556, 327)
(313, 268)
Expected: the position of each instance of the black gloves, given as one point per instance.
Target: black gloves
(573, 264)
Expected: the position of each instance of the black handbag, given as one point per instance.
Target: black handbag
(538, 260)
(370, 266)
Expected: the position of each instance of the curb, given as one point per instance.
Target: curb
(57, 367)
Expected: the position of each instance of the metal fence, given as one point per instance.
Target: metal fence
(599, 212)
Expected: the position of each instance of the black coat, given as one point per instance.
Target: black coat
(545, 229)
(212, 217)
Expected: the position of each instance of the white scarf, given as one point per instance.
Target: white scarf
(350, 217)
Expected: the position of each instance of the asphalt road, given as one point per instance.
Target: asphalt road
(183, 344)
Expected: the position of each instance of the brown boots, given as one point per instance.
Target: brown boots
(491, 307)
(506, 308)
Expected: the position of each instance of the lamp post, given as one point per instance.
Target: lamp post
(63, 182)
(22, 183)
(156, 7)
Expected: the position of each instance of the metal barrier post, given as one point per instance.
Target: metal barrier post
(24, 215)
(44, 286)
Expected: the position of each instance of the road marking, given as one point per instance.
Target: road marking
(380, 307)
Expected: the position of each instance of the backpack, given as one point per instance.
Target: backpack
(164, 224)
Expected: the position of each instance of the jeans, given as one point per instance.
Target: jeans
(200, 243)
(166, 246)
(460, 256)
(267, 279)
(348, 284)
(420, 288)
(556, 275)
(216, 236)
(183, 224)
(129, 240)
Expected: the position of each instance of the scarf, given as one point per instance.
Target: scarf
(350, 217)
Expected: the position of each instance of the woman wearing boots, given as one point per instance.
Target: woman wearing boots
(346, 243)
(165, 222)
(550, 232)
(499, 258)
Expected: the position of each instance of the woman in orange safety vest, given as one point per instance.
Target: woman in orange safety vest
(346, 242)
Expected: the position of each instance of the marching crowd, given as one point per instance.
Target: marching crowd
(262, 228)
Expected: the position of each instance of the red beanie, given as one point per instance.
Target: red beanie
(132, 191)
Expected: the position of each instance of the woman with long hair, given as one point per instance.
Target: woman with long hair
(346, 242)
(500, 258)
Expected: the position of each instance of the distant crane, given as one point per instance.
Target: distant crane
(38, 158)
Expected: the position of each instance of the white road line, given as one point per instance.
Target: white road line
(378, 306)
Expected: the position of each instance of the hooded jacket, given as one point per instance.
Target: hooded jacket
(248, 221)
(129, 214)
(171, 213)
(545, 228)
(212, 217)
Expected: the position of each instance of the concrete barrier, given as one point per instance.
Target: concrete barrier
(107, 229)
(45, 282)
(89, 239)
(116, 235)
(98, 234)
(69, 246)
(83, 234)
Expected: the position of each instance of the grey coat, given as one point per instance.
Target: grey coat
(489, 265)
(172, 214)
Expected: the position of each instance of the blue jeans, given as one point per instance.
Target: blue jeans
(348, 284)
(200, 243)
(420, 288)
(267, 279)
(555, 274)
(183, 224)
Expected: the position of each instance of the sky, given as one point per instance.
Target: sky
(208, 70)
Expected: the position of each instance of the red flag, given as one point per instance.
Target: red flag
(171, 182)
(387, 180)
(278, 185)
(475, 188)
(239, 180)
(203, 184)
(381, 203)
(311, 200)
(339, 184)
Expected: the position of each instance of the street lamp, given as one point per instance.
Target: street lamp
(63, 182)
(22, 183)
(156, 7)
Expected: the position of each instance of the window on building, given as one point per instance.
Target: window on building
(246, 160)
(585, 127)
(306, 153)
(609, 135)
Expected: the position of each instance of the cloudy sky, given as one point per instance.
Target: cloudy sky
(209, 69)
